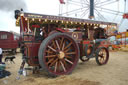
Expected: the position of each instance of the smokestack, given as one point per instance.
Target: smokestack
(11, 5)
(91, 16)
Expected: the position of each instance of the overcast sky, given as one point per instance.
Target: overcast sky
(7, 7)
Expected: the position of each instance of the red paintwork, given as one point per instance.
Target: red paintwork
(32, 53)
(61, 30)
(8, 43)
(104, 44)
(86, 42)
(36, 26)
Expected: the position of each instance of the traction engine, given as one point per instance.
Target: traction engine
(56, 43)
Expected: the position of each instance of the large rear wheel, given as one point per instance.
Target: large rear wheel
(58, 54)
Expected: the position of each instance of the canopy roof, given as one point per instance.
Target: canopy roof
(65, 19)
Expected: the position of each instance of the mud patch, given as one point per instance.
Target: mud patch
(63, 80)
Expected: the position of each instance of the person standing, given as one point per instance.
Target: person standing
(1, 55)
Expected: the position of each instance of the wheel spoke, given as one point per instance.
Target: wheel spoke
(68, 56)
(50, 61)
(57, 44)
(58, 65)
(69, 61)
(63, 46)
(61, 43)
(102, 51)
(55, 67)
(52, 48)
(105, 56)
(64, 62)
(100, 55)
(49, 51)
(67, 50)
(68, 45)
(63, 66)
(70, 53)
(50, 56)
(54, 62)
(54, 44)
(102, 59)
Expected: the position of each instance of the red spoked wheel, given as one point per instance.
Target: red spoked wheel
(102, 56)
(58, 54)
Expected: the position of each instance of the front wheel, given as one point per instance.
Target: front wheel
(102, 55)
(58, 54)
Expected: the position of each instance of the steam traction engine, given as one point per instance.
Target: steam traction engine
(56, 43)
